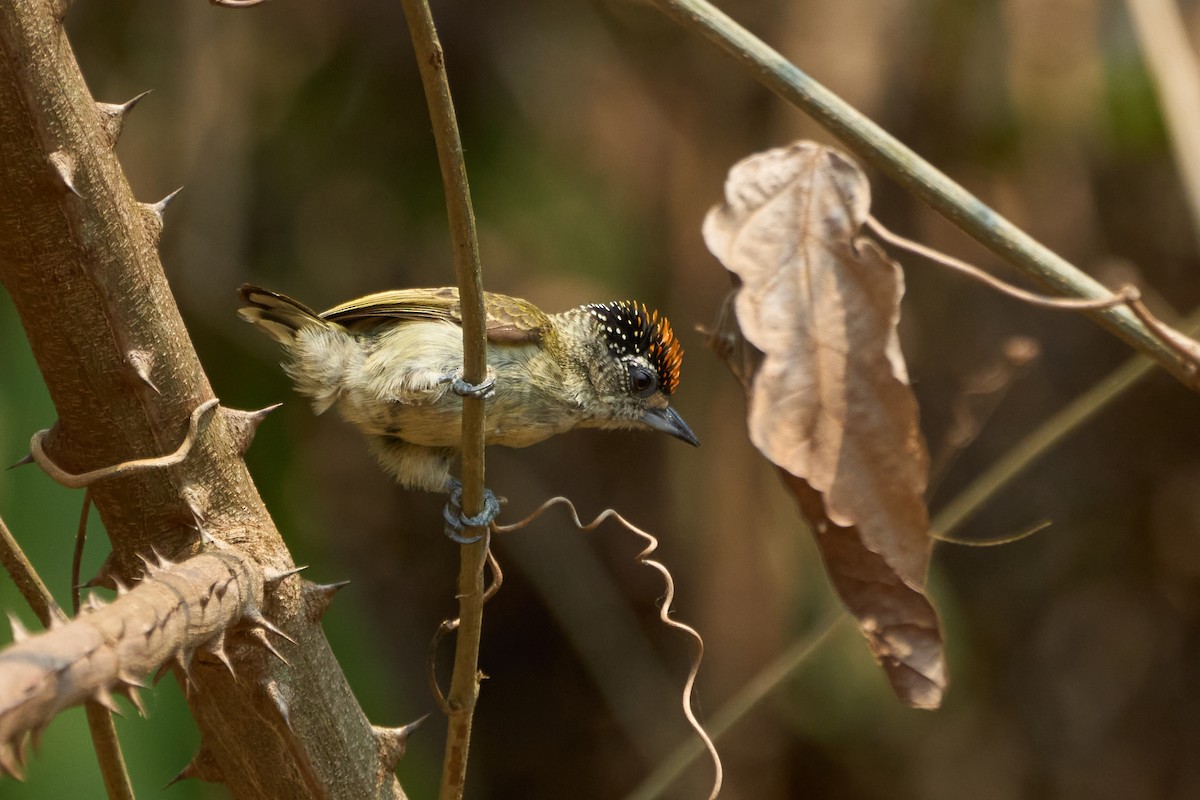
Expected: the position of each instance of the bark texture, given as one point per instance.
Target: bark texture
(78, 255)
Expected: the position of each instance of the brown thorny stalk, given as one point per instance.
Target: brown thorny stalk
(664, 612)
(94, 687)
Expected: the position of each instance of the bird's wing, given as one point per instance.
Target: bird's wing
(509, 319)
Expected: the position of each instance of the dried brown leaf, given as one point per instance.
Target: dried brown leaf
(829, 400)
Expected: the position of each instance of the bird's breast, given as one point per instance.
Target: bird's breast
(530, 404)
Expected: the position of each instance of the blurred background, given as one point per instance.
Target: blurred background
(597, 135)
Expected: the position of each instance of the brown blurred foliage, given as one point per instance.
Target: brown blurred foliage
(597, 136)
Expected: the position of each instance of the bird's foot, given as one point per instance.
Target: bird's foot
(456, 523)
(482, 391)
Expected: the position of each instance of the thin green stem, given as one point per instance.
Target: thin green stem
(1043, 438)
(28, 582)
(884, 151)
(464, 684)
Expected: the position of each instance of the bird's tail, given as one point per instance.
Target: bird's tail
(319, 353)
(276, 315)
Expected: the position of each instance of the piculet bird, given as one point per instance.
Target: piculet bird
(391, 364)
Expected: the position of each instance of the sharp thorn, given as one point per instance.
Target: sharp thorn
(273, 576)
(256, 616)
(280, 703)
(162, 562)
(112, 116)
(318, 596)
(26, 459)
(19, 632)
(393, 742)
(11, 759)
(131, 691)
(244, 424)
(142, 363)
(151, 567)
(129, 679)
(104, 697)
(202, 766)
(216, 646)
(64, 168)
(160, 207)
(183, 657)
(260, 636)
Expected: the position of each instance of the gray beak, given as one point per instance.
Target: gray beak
(667, 421)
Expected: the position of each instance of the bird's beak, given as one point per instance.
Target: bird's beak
(667, 421)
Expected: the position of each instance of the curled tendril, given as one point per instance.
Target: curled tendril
(82, 480)
(664, 611)
(451, 625)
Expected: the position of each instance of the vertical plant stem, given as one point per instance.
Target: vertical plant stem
(108, 752)
(464, 685)
(917, 176)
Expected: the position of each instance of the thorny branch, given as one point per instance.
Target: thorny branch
(123, 374)
(104, 734)
(664, 611)
(113, 647)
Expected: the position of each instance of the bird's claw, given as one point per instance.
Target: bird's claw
(456, 522)
(482, 391)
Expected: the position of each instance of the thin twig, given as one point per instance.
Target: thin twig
(1186, 348)
(446, 627)
(464, 685)
(77, 556)
(664, 612)
(920, 178)
(27, 580)
(1123, 297)
(108, 751)
(998, 541)
(61, 476)
(749, 697)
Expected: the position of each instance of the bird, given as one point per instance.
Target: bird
(390, 363)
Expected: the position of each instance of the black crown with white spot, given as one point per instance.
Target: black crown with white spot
(630, 330)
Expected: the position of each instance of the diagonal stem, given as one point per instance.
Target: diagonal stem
(464, 685)
(920, 178)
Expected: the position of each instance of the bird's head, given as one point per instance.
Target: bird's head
(634, 368)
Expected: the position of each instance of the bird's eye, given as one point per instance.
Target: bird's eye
(642, 381)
